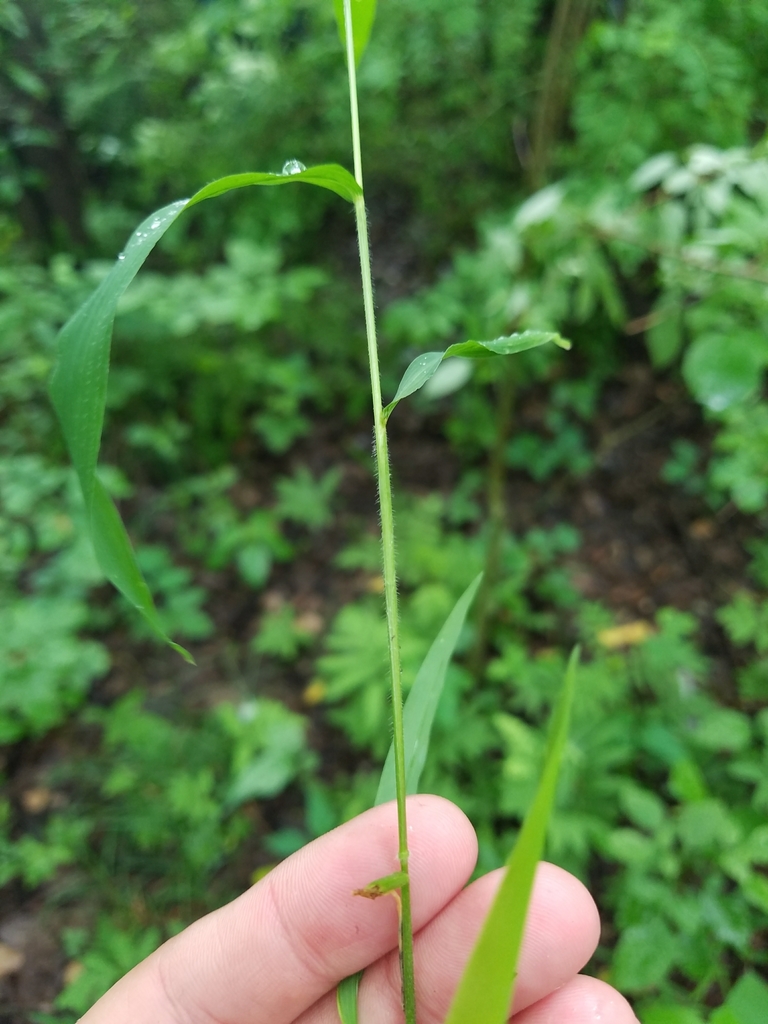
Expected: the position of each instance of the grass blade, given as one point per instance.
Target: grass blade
(363, 14)
(425, 366)
(346, 998)
(334, 177)
(486, 988)
(418, 716)
(421, 705)
(79, 380)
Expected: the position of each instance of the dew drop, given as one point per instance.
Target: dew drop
(121, 256)
(293, 167)
(155, 223)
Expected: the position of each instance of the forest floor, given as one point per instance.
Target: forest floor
(645, 545)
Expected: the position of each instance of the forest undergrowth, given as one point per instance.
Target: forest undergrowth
(622, 488)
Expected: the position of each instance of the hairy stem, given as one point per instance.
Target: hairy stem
(387, 540)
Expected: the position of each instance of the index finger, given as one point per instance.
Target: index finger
(274, 951)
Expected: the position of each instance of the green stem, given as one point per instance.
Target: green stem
(387, 539)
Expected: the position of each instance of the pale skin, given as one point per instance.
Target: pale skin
(276, 954)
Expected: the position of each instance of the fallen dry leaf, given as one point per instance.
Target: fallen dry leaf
(628, 635)
(314, 692)
(11, 960)
(36, 800)
(375, 584)
(72, 972)
(310, 622)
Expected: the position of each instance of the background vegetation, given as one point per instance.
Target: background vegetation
(600, 168)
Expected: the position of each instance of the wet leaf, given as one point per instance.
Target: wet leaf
(79, 380)
(425, 366)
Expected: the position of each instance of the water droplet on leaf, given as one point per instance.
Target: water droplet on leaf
(293, 167)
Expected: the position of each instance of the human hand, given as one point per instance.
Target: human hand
(276, 954)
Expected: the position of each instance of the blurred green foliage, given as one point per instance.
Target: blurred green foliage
(237, 384)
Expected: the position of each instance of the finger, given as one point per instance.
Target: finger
(275, 950)
(561, 934)
(582, 1001)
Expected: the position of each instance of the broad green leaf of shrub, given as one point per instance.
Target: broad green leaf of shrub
(363, 14)
(421, 705)
(644, 956)
(664, 337)
(745, 1004)
(487, 986)
(425, 366)
(111, 955)
(722, 370)
(79, 380)
(45, 667)
(666, 1013)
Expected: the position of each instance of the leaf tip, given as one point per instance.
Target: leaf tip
(183, 652)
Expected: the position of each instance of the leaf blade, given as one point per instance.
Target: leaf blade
(346, 998)
(486, 988)
(363, 16)
(507, 345)
(333, 177)
(421, 705)
(423, 367)
(418, 714)
(78, 384)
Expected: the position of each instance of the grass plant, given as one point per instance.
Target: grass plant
(79, 390)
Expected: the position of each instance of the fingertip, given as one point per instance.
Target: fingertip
(562, 917)
(440, 836)
(559, 895)
(582, 1000)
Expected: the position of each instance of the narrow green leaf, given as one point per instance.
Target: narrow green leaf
(424, 366)
(363, 14)
(487, 986)
(416, 376)
(421, 705)
(418, 716)
(346, 998)
(508, 345)
(334, 177)
(79, 380)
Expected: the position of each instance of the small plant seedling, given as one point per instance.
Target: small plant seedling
(78, 389)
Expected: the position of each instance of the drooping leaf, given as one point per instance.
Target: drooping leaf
(346, 998)
(363, 14)
(79, 380)
(421, 705)
(425, 366)
(487, 986)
